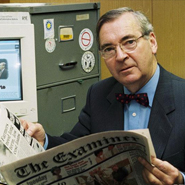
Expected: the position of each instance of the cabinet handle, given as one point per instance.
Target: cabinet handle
(68, 65)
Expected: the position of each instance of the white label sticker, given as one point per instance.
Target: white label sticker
(50, 45)
(15, 18)
(48, 28)
(86, 39)
(82, 17)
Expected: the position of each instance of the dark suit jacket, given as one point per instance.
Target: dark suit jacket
(103, 112)
(4, 75)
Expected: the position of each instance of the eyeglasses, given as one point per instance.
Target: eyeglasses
(127, 46)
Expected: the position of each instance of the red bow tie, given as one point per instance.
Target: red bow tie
(141, 98)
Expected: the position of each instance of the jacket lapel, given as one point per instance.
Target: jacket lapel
(163, 105)
(115, 114)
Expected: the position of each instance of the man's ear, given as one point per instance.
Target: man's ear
(153, 42)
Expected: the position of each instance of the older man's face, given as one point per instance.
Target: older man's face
(131, 69)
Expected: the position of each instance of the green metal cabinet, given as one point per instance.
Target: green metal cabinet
(67, 63)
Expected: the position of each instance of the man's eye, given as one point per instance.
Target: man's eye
(108, 49)
(129, 42)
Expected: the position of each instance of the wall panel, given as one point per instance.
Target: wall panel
(169, 25)
(49, 1)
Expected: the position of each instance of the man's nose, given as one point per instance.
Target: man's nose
(120, 53)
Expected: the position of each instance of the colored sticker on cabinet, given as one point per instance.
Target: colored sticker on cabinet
(66, 33)
(50, 45)
(86, 39)
(88, 61)
(48, 28)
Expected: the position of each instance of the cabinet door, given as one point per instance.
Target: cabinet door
(59, 106)
(69, 60)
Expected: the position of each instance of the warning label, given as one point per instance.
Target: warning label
(86, 39)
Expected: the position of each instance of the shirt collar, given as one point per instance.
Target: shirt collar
(149, 88)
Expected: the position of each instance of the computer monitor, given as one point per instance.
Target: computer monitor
(17, 70)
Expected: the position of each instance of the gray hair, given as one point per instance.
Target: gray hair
(143, 22)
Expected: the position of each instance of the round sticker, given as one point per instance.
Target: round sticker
(88, 61)
(49, 25)
(50, 45)
(86, 39)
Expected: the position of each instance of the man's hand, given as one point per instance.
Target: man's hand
(35, 130)
(160, 173)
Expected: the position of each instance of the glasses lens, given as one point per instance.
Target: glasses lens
(128, 45)
(108, 52)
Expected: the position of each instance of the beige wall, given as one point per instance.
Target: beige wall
(168, 18)
(169, 24)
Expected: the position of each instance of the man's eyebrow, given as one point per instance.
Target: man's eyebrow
(127, 37)
(105, 45)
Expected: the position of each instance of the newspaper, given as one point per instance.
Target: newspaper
(15, 143)
(106, 158)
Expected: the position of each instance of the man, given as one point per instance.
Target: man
(3, 70)
(128, 45)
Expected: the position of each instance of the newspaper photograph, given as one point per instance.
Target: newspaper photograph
(107, 158)
(15, 143)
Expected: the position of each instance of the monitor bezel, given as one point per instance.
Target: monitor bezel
(26, 108)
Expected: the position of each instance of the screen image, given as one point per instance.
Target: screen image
(10, 70)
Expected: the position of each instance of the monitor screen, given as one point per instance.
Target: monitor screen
(10, 70)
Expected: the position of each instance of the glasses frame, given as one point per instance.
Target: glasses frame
(121, 46)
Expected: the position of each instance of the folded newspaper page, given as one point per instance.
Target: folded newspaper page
(107, 158)
(15, 143)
